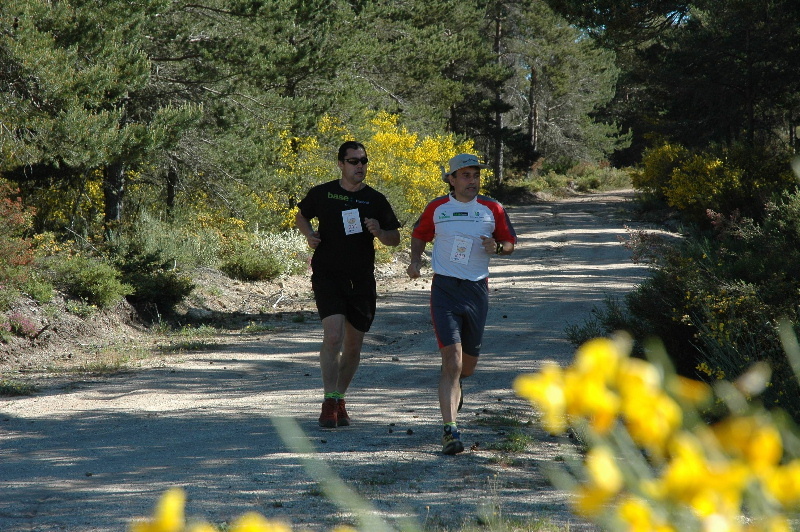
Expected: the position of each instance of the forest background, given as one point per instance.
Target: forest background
(140, 140)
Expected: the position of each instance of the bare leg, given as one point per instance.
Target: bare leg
(340, 353)
(448, 381)
(455, 365)
(351, 356)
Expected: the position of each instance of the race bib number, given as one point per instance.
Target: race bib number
(461, 250)
(352, 222)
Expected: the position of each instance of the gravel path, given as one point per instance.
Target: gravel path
(95, 454)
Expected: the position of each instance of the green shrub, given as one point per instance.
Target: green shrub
(38, 288)
(249, 264)
(91, 280)
(186, 239)
(263, 257)
(8, 295)
(156, 288)
(12, 388)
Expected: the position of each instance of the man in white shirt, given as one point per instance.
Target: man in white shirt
(466, 229)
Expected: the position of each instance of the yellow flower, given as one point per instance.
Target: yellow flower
(692, 391)
(599, 357)
(603, 483)
(636, 376)
(707, 487)
(545, 390)
(651, 420)
(254, 522)
(754, 439)
(783, 483)
(639, 516)
(169, 516)
(588, 397)
(603, 471)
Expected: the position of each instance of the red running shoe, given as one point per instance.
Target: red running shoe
(342, 419)
(329, 410)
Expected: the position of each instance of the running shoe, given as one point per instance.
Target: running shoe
(329, 410)
(460, 395)
(342, 419)
(451, 442)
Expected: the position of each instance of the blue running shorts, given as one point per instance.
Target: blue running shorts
(458, 309)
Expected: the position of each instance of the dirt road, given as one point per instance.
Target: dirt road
(94, 455)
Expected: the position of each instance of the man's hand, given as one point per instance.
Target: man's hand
(313, 239)
(413, 269)
(373, 226)
(489, 244)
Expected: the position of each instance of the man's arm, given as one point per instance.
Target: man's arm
(305, 227)
(414, 266)
(387, 238)
(507, 248)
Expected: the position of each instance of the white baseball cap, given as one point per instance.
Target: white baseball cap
(462, 160)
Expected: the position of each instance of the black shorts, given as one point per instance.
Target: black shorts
(351, 295)
(458, 309)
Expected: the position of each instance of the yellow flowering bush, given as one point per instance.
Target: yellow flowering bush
(657, 166)
(653, 463)
(701, 183)
(403, 165)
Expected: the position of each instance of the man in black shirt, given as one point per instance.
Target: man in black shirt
(350, 214)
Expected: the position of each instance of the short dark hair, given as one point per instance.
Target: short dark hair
(350, 145)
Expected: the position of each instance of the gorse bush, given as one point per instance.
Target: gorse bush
(403, 165)
(721, 178)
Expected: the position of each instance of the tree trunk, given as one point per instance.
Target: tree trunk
(172, 188)
(497, 159)
(533, 115)
(113, 193)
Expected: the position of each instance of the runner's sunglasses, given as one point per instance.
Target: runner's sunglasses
(355, 161)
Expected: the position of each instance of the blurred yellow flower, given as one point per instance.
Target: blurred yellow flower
(707, 487)
(603, 471)
(638, 516)
(651, 420)
(254, 522)
(604, 482)
(754, 439)
(546, 391)
(588, 397)
(692, 391)
(783, 484)
(599, 357)
(169, 516)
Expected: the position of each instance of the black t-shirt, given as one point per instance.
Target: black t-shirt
(346, 249)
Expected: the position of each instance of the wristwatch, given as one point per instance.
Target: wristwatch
(499, 249)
